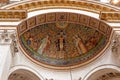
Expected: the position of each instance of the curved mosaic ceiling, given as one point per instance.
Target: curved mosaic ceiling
(62, 40)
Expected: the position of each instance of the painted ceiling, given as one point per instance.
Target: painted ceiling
(63, 39)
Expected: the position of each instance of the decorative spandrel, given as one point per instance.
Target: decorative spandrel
(56, 45)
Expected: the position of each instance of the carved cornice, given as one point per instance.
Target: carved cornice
(81, 5)
(106, 11)
(12, 15)
(110, 16)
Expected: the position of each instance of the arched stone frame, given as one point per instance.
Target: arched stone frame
(28, 26)
(100, 68)
(27, 68)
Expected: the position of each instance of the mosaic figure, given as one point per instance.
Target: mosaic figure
(61, 41)
(80, 45)
(45, 45)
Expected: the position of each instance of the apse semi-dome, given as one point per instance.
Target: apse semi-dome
(63, 40)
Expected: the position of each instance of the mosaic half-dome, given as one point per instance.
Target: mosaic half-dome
(63, 40)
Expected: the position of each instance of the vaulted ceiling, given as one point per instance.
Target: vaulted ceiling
(22, 75)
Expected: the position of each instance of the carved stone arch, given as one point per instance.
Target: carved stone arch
(22, 72)
(103, 72)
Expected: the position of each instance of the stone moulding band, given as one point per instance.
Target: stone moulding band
(91, 6)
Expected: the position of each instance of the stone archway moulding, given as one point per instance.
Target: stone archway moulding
(17, 67)
(98, 68)
(91, 6)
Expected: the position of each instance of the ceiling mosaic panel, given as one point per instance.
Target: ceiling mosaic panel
(61, 40)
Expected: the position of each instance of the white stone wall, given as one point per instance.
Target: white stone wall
(5, 61)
